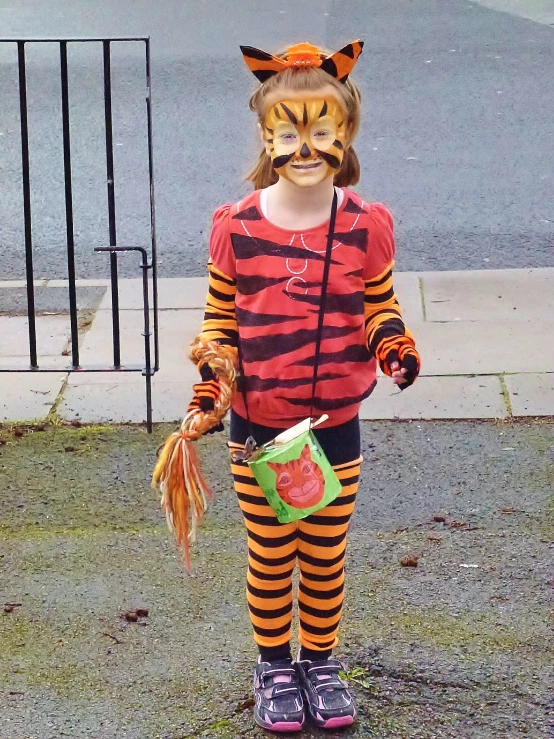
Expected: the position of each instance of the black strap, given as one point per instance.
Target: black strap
(323, 298)
(326, 267)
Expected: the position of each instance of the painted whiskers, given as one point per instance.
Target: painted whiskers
(177, 475)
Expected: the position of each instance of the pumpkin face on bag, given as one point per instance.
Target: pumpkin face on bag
(300, 482)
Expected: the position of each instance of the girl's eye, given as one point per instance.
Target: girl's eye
(321, 134)
(287, 137)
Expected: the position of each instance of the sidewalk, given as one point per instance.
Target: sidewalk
(486, 339)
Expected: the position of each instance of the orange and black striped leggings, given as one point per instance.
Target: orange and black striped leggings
(317, 542)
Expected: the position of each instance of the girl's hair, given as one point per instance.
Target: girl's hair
(308, 79)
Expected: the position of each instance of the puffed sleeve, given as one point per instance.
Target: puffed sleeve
(381, 248)
(221, 250)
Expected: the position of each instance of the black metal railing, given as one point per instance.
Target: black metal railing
(148, 261)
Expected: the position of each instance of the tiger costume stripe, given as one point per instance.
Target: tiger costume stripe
(264, 288)
(317, 543)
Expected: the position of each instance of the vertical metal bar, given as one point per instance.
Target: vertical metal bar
(154, 261)
(69, 206)
(147, 359)
(29, 275)
(111, 201)
(149, 425)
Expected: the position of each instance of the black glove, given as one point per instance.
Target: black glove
(406, 359)
(205, 395)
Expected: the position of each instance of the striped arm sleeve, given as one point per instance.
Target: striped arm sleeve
(220, 322)
(384, 327)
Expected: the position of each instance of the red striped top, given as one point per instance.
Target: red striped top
(278, 275)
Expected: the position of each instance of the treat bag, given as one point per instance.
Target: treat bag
(296, 477)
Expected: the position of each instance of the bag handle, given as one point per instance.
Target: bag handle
(321, 316)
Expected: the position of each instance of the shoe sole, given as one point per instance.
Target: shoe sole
(337, 722)
(282, 727)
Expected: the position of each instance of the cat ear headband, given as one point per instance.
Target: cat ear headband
(338, 65)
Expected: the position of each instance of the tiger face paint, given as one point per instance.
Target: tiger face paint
(305, 138)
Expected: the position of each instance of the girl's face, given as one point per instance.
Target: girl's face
(305, 134)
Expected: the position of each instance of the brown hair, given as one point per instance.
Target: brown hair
(310, 79)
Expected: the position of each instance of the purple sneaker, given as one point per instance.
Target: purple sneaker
(279, 706)
(329, 703)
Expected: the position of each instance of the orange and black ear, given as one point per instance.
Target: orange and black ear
(262, 64)
(342, 62)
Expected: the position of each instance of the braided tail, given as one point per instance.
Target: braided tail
(177, 475)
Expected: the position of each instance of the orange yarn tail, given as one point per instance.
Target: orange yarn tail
(177, 475)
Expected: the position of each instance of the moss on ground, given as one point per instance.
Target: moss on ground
(449, 651)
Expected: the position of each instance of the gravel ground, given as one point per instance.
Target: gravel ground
(454, 647)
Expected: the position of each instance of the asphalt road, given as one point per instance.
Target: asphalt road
(457, 138)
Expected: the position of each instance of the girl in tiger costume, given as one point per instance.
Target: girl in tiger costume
(265, 278)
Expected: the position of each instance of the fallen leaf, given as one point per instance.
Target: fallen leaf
(409, 560)
(130, 616)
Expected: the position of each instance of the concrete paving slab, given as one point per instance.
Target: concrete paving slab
(531, 394)
(52, 335)
(173, 294)
(437, 397)
(45, 362)
(79, 283)
(408, 291)
(485, 347)
(184, 372)
(26, 397)
(50, 300)
(482, 295)
(125, 402)
(177, 329)
(21, 283)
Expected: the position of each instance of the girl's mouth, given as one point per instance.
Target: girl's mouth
(306, 166)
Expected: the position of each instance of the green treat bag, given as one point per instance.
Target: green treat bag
(296, 477)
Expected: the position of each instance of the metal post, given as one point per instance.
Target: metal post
(147, 359)
(29, 274)
(111, 202)
(69, 206)
(152, 206)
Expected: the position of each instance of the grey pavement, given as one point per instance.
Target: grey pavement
(540, 11)
(457, 136)
(485, 338)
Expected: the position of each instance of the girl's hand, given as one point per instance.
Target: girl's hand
(205, 394)
(205, 404)
(403, 371)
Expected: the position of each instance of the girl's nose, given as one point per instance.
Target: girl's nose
(305, 152)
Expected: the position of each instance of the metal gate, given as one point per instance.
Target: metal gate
(148, 256)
